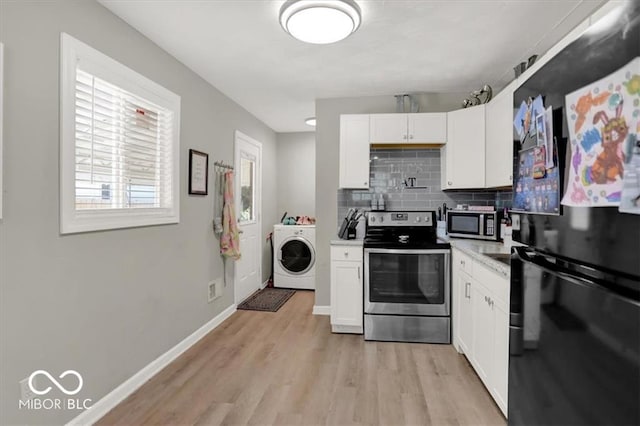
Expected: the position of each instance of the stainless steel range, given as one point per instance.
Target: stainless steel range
(406, 279)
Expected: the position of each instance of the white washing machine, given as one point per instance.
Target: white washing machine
(294, 260)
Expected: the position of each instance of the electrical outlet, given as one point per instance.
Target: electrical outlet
(215, 289)
(26, 394)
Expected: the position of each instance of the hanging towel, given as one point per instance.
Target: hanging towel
(218, 202)
(230, 240)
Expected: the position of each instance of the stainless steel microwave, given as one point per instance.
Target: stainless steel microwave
(477, 224)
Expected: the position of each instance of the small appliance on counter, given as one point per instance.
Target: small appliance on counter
(474, 223)
(348, 229)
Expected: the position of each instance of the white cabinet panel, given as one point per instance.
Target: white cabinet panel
(414, 128)
(483, 334)
(465, 322)
(465, 149)
(388, 128)
(427, 127)
(499, 139)
(500, 371)
(346, 290)
(354, 151)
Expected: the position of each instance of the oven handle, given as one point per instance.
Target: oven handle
(403, 251)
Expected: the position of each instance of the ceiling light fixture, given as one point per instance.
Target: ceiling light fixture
(318, 21)
(311, 121)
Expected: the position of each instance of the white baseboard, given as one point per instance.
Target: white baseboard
(321, 310)
(116, 396)
(264, 284)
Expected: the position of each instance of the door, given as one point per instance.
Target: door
(574, 343)
(465, 148)
(388, 128)
(346, 293)
(354, 151)
(248, 184)
(499, 139)
(428, 127)
(407, 282)
(483, 333)
(465, 317)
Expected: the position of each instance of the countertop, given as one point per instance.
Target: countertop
(477, 250)
(339, 242)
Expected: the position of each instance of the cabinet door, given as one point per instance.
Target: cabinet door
(500, 371)
(354, 151)
(346, 293)
(388, 128)
(483, 333)
(499, 139)
(427, 127)
(465, 310)
(464, 166)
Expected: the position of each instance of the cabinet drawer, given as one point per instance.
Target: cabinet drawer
(462, 262)
(497, 285)
(343, 253)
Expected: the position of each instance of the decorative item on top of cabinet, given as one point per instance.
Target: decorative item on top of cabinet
(354, 151)
(462, 158)
(346, 289)
(411, 128)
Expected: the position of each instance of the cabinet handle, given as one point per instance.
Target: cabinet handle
(346, 254)
(358, 272)
(510, 178)
(449, 182)
(467, 294)
(366, 183)
(462, 262)
(410, 136)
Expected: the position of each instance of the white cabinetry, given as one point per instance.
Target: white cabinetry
(499, 139)
(354, 151)
(346, 289)
(481, 322)
(417, 128)
(462, 158)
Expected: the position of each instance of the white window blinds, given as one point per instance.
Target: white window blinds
(119, 146)
(123, 148)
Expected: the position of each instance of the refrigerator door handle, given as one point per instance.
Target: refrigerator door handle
(575, 277)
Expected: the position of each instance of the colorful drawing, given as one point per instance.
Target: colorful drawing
(600, 117)
(536, 187)
(518, 121)
(541, 130)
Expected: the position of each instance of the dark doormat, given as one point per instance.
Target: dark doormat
(267, 299)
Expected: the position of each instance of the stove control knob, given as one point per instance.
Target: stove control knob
(381, 218)
(372, 218)
(418, 219)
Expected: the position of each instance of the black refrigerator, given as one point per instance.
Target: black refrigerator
(575, 283)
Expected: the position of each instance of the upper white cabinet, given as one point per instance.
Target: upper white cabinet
(499, 139)
(417, 128)
(354, 151)
(462, 158)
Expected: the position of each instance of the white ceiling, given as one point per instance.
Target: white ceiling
(401, 47)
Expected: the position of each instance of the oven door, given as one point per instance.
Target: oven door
(406, 282)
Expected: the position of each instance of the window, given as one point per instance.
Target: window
(119, 162)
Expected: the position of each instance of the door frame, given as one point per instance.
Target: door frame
(240, 137)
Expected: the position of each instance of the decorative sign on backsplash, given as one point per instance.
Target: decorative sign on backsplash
(410, 183)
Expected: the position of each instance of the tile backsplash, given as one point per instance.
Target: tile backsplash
(390, 173)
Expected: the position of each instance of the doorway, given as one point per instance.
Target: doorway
(248, 190)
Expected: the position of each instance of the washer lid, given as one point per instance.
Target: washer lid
(296, 255)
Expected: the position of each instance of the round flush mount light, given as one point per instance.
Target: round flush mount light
(311, 121)
(320, 22)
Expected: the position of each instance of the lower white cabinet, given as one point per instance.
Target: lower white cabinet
(481, 322)
(346, 289)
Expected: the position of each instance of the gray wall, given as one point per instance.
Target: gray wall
(297, 173)
(327, 159)
(103, 303)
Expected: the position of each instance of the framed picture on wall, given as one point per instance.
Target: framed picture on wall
(198, 172)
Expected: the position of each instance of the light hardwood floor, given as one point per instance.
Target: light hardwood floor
(287, 368)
